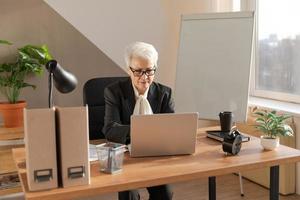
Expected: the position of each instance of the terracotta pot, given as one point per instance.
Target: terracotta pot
(12, 113)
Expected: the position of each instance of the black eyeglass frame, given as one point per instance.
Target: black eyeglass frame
(142, 72)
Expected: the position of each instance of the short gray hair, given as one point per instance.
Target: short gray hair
(143, 50)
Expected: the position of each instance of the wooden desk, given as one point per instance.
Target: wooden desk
(208, 161)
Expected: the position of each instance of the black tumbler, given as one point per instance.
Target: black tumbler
(226, 121)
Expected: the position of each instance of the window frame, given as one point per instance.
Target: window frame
(280, 96)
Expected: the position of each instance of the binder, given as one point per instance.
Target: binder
(73, 150)
(40, 145)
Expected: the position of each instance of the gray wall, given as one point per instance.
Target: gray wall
(34, 22)
(122, 22)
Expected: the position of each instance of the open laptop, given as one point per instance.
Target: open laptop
(163, 134)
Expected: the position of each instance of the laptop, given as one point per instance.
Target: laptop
(163, 134)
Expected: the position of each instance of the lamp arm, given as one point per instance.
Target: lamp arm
(50, 87)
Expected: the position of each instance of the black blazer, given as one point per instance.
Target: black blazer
(119, 105)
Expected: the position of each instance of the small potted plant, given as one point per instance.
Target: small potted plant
(272, 126)
(30, 59)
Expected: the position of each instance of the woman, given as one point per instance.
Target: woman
(137, 95)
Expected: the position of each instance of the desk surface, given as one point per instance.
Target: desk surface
(209, 160)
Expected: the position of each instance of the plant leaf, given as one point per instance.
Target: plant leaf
(47, 54)
(262, 128)
(273, 112)
(40, 53)
(260, 120)
(286, 130)
(259, 113)
(27, 85)
(5, 67)
(284, 117)
(5, 42)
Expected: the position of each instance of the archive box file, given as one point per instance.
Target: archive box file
(73, 140)
(40, 145)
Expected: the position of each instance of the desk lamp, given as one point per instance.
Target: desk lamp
(64, 81)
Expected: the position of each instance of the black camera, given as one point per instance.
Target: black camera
(232, 142)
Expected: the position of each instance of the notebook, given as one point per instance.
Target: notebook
(219, 135)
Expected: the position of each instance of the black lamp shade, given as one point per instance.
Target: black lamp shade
(64, 81)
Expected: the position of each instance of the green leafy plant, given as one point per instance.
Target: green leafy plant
(272, 124)
(30, 59)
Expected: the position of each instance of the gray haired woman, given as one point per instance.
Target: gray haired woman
(139, 94)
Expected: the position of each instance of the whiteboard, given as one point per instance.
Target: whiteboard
(213, 64)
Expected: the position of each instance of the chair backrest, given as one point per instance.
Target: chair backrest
(93, 96)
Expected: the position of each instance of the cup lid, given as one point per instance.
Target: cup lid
(112, 145)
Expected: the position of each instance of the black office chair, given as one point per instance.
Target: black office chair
(93, 96)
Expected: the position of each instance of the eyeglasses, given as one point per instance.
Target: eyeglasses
(140, 73)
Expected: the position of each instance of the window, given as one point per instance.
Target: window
(277, 71)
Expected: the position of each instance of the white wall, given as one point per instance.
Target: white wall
(113, 24)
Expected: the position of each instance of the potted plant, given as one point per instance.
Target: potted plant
(30, 59)
(272, 126)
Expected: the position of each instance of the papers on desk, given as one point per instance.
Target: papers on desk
(9, 181)
(128, 148)
(92, 152)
